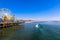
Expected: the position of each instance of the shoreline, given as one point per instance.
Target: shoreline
(31, 21)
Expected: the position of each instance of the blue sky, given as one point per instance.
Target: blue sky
(33, 9)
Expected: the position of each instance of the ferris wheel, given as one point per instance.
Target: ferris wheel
(5, 11)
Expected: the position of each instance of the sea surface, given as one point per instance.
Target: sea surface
(29, 31)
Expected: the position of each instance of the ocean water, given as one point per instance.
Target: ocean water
(29, 31)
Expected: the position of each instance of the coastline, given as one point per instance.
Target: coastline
(31, 21)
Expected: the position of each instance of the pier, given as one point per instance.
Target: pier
(8, 24)
(6, 19)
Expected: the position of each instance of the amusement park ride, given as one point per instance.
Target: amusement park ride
(7, 19)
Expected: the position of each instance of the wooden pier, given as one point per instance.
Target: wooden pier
(7, 24)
